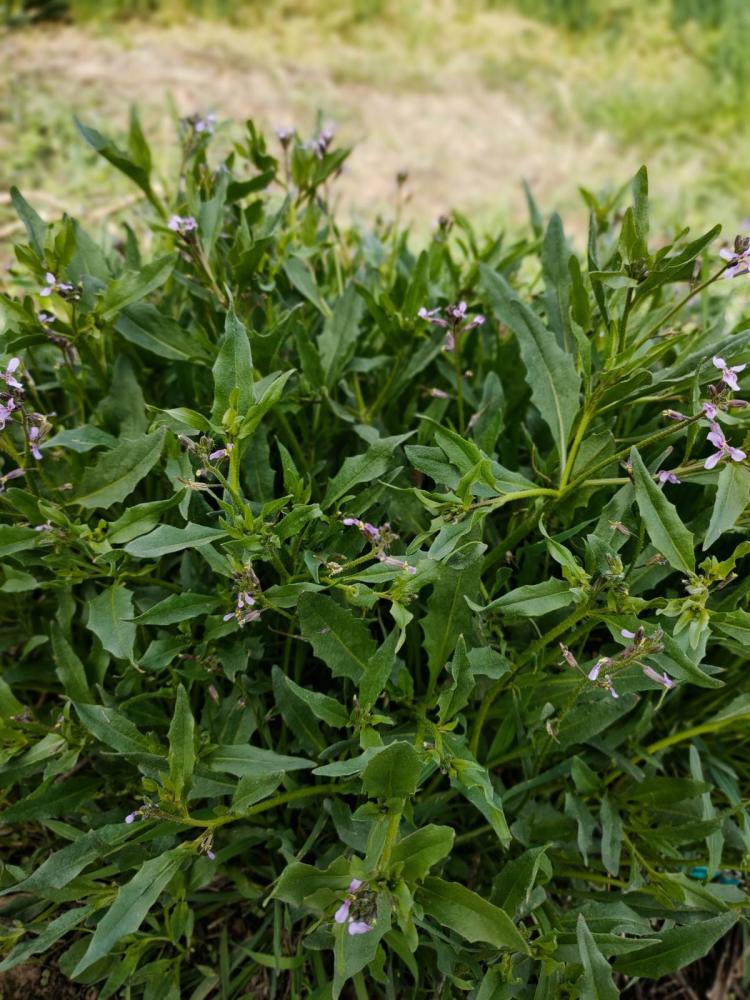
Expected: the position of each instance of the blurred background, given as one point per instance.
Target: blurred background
(469, 96)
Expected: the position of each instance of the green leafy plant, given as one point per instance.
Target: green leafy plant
(374, 620)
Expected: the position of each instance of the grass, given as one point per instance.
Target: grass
(469, 98)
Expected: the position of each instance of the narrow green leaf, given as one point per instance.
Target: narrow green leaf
(678, 947)
(422, 850)
(178, 608)
(373, 464)
(132, 286)
(233, 369)
(243, 759)
(732, 497)
(70, 670)
(551, 374)
(132, 903)
(181, 755)
(117, 473)
(342, 641)
(393, 771)
(166, 539)
(665, 529)
(469, 915)
(110, 615)
(597, 976)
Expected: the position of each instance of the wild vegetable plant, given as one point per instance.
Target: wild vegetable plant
(373, 620)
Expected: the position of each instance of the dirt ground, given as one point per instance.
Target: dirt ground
(467, 140)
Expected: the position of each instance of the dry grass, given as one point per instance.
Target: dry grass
(469, 101)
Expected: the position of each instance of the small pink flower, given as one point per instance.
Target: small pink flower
(663, 679)
(131, 817)
(8, 377)
(710, 410)
(665, 476)
(34, 443)
(6, 411)
(396, 563)
(724, 450)
(738, 259)
(674, 415)
(220, 453)
(593, 674)
(182, 224)
(610, 686)
(729, 374)
(358, 927)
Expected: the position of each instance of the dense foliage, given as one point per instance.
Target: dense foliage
(373, 621)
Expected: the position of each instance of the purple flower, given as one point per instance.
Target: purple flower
(738, 259)
(370, 531)
(206, 124)
(663, 679)
(710, 410)
(396, 563)
(674, 415)
(665, 476)
(593, 674)
(449, 343)
(34, 443)
(285, 135)
(45, 318)
(725, 450)
(210, 855)
(8, 377)
(6, 411)
(9, 476)
(729, 374)
(439, 394)
(432, 316)
(220, 453)
(627, 634)
(358, 927)
(182, 224)
(53, 285)
(610, 686)
(131, 817)
(342, 914)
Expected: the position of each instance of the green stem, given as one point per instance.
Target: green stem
(683, 302)
(277, 800)
(535, 648)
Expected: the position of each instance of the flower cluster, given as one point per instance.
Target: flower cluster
(321, 144)
(245, 609)
(182, 224)
(639, 645)
(285, 135)
(370, 531)
(63, 288)
(355, 923)
(457, 322)
(738, 259)
(724, 449)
